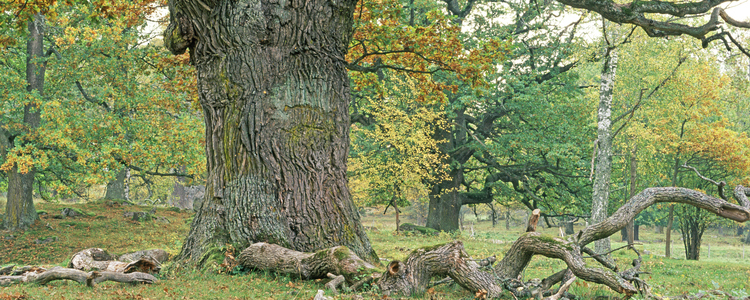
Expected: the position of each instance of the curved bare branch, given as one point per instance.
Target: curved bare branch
(640, 13)
(651, 196)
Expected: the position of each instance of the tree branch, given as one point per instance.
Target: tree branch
(651, 196)
(639, 13)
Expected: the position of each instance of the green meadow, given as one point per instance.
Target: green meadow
(727, 269)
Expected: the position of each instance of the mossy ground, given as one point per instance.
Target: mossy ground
(726, 269)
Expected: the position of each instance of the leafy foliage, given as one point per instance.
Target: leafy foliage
(396, 156)
(111, 100)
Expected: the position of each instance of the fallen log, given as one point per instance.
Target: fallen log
(336, 260)
(92, 266)
(98, 259)
(43, 276)
(413, 275)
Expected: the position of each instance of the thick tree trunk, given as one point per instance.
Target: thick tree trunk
(445, 199)
(445, 206)
(275, 93)
(603, 170)
(20, 212)
(116, 188)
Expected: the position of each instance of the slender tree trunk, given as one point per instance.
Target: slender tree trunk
(493, 215)
(668, 234)
(507, 218)
(600, 201)
(20, 211)
(274, 90)
(633, 186)
(670, 217)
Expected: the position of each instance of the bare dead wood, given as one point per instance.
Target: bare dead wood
(533, 220)
(740, 193)
(562, 290)
(158, 255)
(6, 270)
(44, 276)
(650, 196)
(98, 259)
(337, 280)
(336, 260)
(413, 275)
(654, 17)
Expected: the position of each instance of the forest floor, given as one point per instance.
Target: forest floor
(727, 268)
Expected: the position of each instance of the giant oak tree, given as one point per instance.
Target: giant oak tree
(274, 91)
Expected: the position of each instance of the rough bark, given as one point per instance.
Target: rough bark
(20, 212)
(603, 169)
(662, 195)
(274, 91)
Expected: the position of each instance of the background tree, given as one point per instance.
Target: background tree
(391, 159)
(500, 139)
(108, 103)
(435, 53)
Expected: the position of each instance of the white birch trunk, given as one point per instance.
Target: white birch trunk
(603, 168)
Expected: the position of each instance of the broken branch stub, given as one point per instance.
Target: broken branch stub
(533, 220)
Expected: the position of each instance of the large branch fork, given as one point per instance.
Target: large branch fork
(413, 275)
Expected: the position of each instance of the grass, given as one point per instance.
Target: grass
(107, 228)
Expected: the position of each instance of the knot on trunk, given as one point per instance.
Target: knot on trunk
(179, 35)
